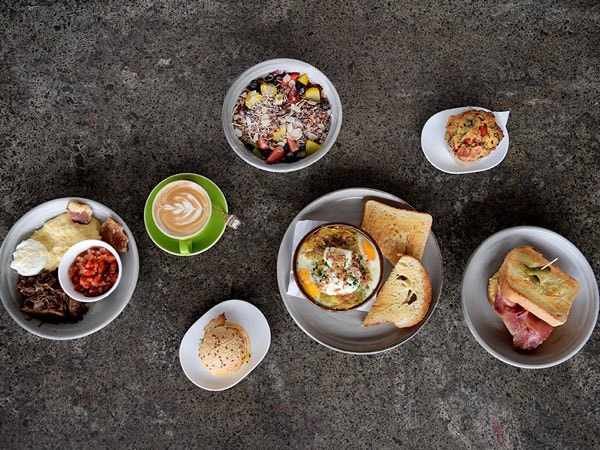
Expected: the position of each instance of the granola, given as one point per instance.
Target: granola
(282, 117)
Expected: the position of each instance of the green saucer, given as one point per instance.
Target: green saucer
(208, 237)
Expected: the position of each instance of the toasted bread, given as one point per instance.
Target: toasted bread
(492, 290)
(405, 296)
(396, 231)
(547, 294)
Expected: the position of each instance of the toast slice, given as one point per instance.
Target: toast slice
(396, 231)
(492, 290)
(405, 296)
(547, 293)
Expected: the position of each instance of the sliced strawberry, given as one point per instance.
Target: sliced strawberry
(262, 143)
(276, 154)
(294, 76)
(292, 144)
(293, 97)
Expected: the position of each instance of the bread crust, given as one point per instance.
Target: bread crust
(547, 294)
(405, 296)
(396, 231)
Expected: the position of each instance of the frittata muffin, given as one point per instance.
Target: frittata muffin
(473, 134)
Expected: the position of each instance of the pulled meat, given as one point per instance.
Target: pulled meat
(44, 296)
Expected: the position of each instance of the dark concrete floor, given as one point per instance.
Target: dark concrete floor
(103, 99)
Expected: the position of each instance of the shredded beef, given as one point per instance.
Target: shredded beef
(44, 296)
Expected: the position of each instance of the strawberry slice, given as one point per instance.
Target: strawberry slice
(292, 144)
(262, 143)
(276, 154)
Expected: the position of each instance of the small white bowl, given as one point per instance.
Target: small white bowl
(260, 70)
(67, 260)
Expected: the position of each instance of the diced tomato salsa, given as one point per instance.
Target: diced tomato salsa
(94, 271)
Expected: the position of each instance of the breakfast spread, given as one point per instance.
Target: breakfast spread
(282, 117)
(531, 295)
(225, 347)
(473, 134)
(36, 260)
(338, 266)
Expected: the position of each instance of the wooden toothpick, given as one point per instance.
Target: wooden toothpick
(550, 263)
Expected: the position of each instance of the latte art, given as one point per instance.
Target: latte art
(181, 209)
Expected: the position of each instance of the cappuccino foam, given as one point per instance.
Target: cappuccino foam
(181, 209)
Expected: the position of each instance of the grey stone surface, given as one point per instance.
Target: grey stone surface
(103, 99)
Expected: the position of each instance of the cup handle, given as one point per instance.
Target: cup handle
(185, 247)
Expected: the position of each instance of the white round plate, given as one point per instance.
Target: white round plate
(100, 314)
(487, 327)
(440, 155)
(343, 331)
(244, 314)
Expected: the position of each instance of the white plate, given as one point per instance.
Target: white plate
(100, 314)
(439, 153)
(343, 331)
(238, 311)
(487, 327)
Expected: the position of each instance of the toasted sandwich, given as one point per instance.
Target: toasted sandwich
(531, 295)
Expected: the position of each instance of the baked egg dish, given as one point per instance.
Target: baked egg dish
(338, 266)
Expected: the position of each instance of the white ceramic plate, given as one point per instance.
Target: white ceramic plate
(343, 331)
(100, 314)
(440, 155)
(238, 311)
(487, 327)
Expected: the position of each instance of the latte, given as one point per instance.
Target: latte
(181, 209)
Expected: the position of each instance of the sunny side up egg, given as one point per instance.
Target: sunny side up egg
(338, 267)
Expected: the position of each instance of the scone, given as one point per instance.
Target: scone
(473, 134)
(225, 346)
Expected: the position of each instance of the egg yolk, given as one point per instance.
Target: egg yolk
(368, 249)
(310, 288)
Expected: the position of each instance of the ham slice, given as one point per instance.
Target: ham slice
(527, 330)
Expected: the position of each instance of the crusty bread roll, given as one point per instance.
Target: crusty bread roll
(396, 231)
(547, 294)
(225, 346)
(405, 296)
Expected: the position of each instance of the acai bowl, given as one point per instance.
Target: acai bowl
(338, 266)
(282, 115)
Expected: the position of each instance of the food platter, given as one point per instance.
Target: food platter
(487, 327)
(342, 331)
(100, 314)
(240, 312)
(439, 154)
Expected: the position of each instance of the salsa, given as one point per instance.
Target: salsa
(94, 271)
